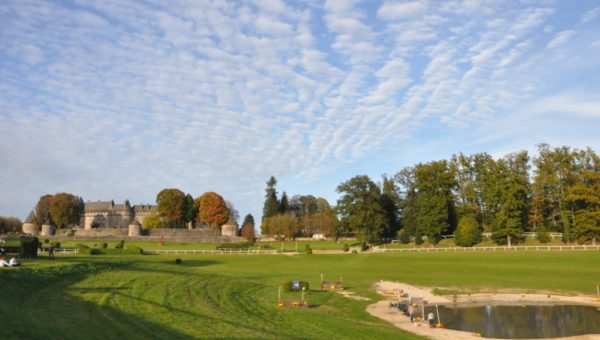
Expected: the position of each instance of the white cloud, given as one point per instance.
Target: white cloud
(394, 11)
(560, 39)
(590, 15)
(119, 99)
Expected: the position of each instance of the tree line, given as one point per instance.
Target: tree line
(557, 190)
(300, 215)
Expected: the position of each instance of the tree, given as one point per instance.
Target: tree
(171, 207)
(9, 224)
(42, 210)
(584, 197)
(360, 208)
(407, 204)
(213, 210)
(283, 225)
(271, 205)
(390, 200)
(152, 221)
(435, 214)
(511, 218)
(190, 209)
(234, 215)
(284, 204)
(65, 209)
(247, 231)
(467, 233)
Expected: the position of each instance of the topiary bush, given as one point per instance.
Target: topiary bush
(418, 238)
(120, 245)
(83, 249)
(177, 261)
(467, 233)
(104, 245)
(29, 246)
(404, 236)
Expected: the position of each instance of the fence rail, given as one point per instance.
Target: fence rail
(60, 250)
(475, 249)
(210, 251)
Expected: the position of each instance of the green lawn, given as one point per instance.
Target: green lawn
(233, 296)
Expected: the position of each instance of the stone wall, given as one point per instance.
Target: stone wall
(174, 235)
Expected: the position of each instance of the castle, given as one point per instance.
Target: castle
(107, 214)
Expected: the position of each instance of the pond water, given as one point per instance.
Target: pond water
(521, 322)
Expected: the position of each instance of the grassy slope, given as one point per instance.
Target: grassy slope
(234, 296)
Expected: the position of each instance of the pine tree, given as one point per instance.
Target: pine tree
(271, 205)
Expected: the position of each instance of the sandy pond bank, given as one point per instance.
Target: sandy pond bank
(383, 311)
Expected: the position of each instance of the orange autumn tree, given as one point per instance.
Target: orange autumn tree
(212, 209)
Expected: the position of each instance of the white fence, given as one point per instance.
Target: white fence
(475, 249)
(210, 251)
(60, 250)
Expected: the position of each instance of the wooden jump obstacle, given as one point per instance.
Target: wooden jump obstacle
(292, 304)
(331, 285)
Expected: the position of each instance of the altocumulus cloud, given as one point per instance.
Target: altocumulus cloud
(119, 99)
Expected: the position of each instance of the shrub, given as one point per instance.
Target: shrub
(354, 251)
(346, 247)
(542, 235)
(83, 249)
(404, 236)
(104, 245)
(418, 238)
(120, 245)
(29, 246)
(177, 261)
(307, 249)
(468, 233)
(46, 240)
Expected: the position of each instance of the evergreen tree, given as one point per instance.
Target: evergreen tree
(584, 197)
(390, 201)
(284, 204)
(271, 205)
(511, 218)
(468, 232)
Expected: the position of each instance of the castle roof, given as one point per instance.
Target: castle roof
(99, 206)
(30, 218)
(144, 208)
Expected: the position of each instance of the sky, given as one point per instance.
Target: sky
(119, 99)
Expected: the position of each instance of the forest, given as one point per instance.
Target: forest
(556, 190)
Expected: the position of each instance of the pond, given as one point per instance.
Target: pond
(521, 322)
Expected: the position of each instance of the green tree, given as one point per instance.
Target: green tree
(213, 210)
(584, 197)
(390, 200)
(42, 210)
(190, 209)
(152, 221)
(435, 215)
(284, 204)
(511, 218)
(407, 204)
(467, 233)
(171, 207)
(271, 205)
(360, 208)
(65, 209)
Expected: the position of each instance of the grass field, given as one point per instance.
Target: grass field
(233, 296)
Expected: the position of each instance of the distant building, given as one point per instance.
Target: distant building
(107, 214)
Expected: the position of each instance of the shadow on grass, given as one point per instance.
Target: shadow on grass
(36, 303)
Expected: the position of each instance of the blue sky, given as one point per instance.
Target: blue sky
(120, 99)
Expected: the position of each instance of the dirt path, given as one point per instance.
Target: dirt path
(383, 311)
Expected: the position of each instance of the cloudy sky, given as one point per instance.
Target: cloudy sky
(120, 99)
